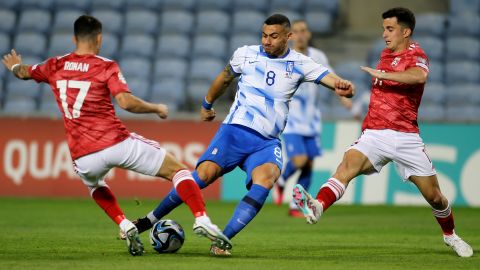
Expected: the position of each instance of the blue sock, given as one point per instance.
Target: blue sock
(246, 210)
(289, 170)
(172, 200)
(305, 178)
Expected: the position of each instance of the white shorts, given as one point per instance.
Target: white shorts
(406, 150)
(135, 153)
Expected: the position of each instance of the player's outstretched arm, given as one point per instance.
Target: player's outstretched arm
(217, 89)
(414, 75)
(133, 104)
(342, 87)
(13, 62)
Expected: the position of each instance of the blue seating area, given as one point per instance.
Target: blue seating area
(153, 40)
(171, 50)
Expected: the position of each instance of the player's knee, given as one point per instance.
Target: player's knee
(266, 175)
(300, 162)
(437, 200)
(208, 172)
(266, 182)
(170, 167)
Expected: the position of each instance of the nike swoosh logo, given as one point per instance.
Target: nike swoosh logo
(251, 62)
(241, 222)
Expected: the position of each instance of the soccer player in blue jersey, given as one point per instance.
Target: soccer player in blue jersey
(302, 132)
(269, 74)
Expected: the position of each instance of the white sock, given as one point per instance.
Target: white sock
(203, 219)
(126, 225)
(153, 219)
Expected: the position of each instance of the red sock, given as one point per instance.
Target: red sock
(189, 192)
(104, 197)
(330, 192)
(445, 219)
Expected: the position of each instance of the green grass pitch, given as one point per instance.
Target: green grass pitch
(75, 234)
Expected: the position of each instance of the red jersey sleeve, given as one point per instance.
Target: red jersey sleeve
(41, 72)
(116, 83)
(419, 59)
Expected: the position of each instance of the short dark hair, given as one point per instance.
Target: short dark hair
(404, 16)
(278, 19)
(87, 27)
(299, 21)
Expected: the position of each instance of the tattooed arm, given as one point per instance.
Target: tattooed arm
(13, 62)
(217, 89)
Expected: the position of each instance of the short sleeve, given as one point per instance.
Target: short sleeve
(41, 72)
(238, 60)
(116, 83)
(419, 59)
(313, 72)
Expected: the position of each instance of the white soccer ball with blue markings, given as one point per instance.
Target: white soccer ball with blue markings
(167, 236)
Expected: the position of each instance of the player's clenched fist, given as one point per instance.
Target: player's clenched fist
(207, 115)
(344, 88)
(162, 111)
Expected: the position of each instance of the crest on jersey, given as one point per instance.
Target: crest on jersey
(396, 61)
(289, 69)
(121, 78)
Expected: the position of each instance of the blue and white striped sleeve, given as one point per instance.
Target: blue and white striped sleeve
(238, 60)
(313, 71)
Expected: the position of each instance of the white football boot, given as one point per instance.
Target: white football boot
(203, 226)
(134, 244)
(310, 207)
(458, 245)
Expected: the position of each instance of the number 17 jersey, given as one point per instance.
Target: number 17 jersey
(82, 86)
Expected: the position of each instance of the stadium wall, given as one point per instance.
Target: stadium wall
(34, 161)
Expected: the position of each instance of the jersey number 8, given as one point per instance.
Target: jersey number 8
(270, 78)
(83, 86)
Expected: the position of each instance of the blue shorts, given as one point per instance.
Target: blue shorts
(302, 145)
(236, 145)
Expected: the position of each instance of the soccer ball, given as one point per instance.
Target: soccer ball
(167, 236)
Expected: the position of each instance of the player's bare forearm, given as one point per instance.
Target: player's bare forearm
(220, 84)
(134, 104)
(413, 75)
(329, 80)
(341, 87)
(21, 72)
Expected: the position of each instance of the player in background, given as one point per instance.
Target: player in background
(82, 83)
(269, 74)
(390, 130)
(302, 133)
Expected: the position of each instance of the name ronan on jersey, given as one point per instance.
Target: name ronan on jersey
(74, 66)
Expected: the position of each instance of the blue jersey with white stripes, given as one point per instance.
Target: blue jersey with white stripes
(305, 117)
(266, 86)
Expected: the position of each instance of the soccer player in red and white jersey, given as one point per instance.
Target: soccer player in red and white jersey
(390, 130)
(82, 83)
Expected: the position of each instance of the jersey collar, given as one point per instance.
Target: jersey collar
(262, 52)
